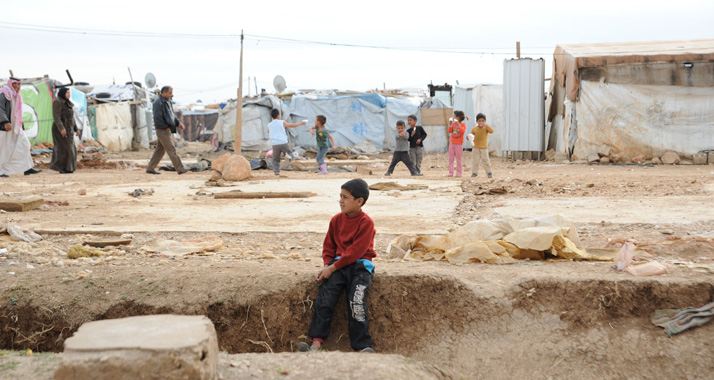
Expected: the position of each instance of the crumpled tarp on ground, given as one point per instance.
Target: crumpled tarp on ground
(675, 321)
(497, 242)
(184, 247)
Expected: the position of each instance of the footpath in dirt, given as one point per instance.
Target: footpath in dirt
(430, 320)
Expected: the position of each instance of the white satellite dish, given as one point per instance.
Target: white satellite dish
(150, 80)
(279, 83)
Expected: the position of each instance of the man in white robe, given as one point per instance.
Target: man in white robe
(14, 146)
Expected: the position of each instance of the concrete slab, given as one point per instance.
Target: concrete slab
(143, 347)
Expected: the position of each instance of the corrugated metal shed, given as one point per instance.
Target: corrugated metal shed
(524, 105)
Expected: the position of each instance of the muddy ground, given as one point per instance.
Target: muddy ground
(562, 319)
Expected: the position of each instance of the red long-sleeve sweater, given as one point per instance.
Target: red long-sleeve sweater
(351, 237)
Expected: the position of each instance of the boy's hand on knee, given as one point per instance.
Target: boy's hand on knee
(326, 272)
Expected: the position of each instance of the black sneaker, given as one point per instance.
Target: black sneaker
(152, 172)
(367, 350)
(387, 174)
(4, 176)
(490, 175)
(474, 174)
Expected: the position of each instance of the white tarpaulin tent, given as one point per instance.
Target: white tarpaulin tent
(352, 120)
(114, 129)
(256, 117)
(638, 98)
(486, 99)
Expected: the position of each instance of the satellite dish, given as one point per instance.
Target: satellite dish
(279, 83)
(150, 80)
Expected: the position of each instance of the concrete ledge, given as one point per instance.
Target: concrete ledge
(144, 347)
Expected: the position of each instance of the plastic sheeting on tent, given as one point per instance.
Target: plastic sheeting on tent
(350, 120)
(114, 129)
(256, 117)
(114, 92)
(641, 119)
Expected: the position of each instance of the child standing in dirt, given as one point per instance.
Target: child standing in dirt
(401, 152)
(321, 135)
(417, 135)
(456, 142)
(479, 151)
(279, 139)
(347, 254)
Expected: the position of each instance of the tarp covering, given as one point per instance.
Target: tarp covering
(256, 116)
(486, 99)
(37, 111)
(568, 59)
(350, 120)
(114, 130)
(497, 242)
(114, 92)
(639, 119)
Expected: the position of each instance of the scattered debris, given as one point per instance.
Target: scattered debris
(675, 321)
(139, 192)
(77, 251)
(57, 203)
(17, 234)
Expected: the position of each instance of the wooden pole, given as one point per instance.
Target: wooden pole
(239, 106)
(518, 49)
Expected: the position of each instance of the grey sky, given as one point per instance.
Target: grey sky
(206, 68)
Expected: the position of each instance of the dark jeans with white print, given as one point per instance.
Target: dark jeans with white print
(356, 280)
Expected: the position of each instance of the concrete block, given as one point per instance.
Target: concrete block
(143, 347)
(699, 158)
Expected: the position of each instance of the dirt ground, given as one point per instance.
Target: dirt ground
(429, 320)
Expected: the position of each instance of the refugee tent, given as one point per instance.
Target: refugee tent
(199, 124)
(434, 116)
(486, 99)
(37, 98)
(119, 116)
(636, 97)
(351, 119)
(256, 117)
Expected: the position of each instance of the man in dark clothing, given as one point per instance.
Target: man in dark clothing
(416, 134)
(165, 123)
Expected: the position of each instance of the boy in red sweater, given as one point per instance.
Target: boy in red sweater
(347, 255)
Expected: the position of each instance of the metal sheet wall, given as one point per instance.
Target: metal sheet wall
(524, 105)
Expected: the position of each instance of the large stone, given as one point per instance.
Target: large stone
(604, 151)
(237, 168)
(604, 160)
(670, 158)
(639, 159)
(220, 162)
(656, 161)
(144, 347)
(620, 158)
(593, 158)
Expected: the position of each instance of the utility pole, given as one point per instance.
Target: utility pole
(518, 49)
(239, 107)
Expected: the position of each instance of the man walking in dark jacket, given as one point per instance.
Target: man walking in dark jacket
(416, 134)
(165, 123)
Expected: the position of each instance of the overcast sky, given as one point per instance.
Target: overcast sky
(317, 44)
